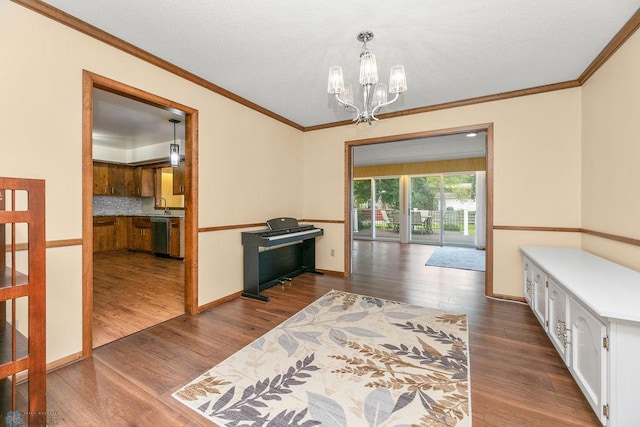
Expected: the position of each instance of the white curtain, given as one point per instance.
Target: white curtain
(481, 210)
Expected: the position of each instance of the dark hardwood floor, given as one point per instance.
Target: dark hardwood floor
(133, 291)
(517, 379)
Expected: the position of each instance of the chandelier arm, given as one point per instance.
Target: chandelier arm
(366, 94)
(346, 104)
(379, 106)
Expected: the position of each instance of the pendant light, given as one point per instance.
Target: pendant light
(174, 149)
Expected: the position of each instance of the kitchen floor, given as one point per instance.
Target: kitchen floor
(133, 291)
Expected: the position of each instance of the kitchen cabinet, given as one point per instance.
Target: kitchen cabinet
(113, 180)
(176, 239)
(101, 179)
(109, 233)
(144, 182)
(179, 179)
(140, 234)
(104, 234)
(23, 300)
(121, 180)
(591, 316)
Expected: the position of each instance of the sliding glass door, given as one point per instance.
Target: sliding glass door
(375, 204)
(443, 209)
(425, 202)
(436, 209)
(458, 216)
(362, 196)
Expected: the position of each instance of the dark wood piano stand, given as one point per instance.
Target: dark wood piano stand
(263, 269)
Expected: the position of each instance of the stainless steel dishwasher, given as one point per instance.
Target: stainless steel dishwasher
(160, 229)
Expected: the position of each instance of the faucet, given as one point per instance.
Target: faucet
(166, 209)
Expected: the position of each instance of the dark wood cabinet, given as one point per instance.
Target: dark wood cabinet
(104, 234)
(122, 232)
(144, 182)
(101, 179)
(121, 180)
(178, 179)
(23, 346)
(110, 233)
(140, 234)
(176, 239)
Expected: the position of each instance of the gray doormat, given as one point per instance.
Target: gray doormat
(454, 257)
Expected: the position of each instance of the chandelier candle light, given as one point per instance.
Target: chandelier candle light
(374, 93)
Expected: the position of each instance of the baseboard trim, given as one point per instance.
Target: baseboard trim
(507, 298)
(219, 301)
(334, 273)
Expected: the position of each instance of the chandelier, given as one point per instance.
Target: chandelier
(374, 93)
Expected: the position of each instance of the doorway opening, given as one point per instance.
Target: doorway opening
(186, 275)
(435, 196)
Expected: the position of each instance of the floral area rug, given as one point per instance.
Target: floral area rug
(344, 360)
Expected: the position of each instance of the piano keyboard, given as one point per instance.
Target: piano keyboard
(290, 235)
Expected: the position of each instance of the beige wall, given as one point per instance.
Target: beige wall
(41, 65)
(536, 147)
(545, 175)
(611, 155)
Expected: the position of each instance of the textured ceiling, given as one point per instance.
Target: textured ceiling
(276, 54)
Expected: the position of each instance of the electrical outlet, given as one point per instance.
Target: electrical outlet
(333, 252)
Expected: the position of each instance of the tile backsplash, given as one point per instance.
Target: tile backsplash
(110, 205)
(128, 206)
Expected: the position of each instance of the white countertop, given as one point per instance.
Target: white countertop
(608, 289)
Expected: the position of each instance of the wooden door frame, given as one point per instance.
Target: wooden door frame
(348, 176)
(89, 82)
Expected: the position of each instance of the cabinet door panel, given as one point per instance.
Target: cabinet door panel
(104, 234)
(558, 321)
(588, 360)
(147, 182)
(101, 180)
(174, 241)
(146, 239)
(540, 295)
(122, 230)
(527, 281)
(178, 179)
(121, 180)
(140, 235)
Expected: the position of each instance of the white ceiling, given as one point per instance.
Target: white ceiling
(276, 54)
(122, 123)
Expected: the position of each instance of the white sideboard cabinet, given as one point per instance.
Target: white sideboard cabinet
(590, 309)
